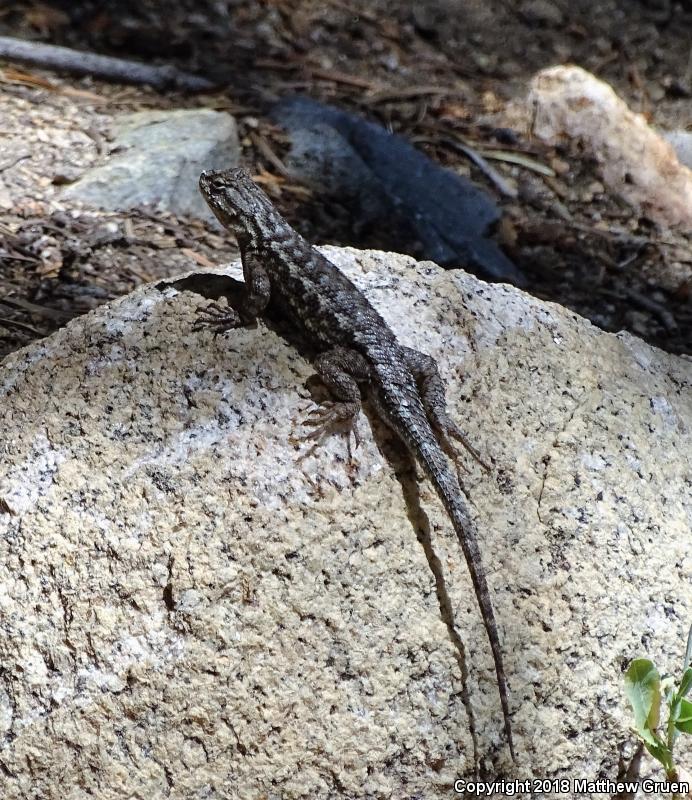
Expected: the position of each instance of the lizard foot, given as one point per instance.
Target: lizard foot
(327, 419)
(217, 318)
(330, 415)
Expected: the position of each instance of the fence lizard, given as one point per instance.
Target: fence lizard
(356, 347)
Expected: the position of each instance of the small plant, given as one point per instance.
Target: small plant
(646, 691)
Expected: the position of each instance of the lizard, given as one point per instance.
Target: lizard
(356, 347)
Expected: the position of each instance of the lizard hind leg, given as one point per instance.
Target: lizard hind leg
(432, 392)
(341, 370)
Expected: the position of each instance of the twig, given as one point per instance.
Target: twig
(274, 63)
(14, 161)
(619, 236)
(649, 304)
(343, 77)
(318, 72)
(521, 160)
(41, 311)
(21, 326)
(79, 62)
(483, 166)
(368, 16)
(199, 258)
(265, 149)
(385, 95)
(13, 75)
(13, 255)
(629, 239)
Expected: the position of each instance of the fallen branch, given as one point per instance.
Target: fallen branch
(78, 62)
(342, 77)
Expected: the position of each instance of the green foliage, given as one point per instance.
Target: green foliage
(647, 693)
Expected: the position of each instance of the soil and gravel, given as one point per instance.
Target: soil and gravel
(432, 71)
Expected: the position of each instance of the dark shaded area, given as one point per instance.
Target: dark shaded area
(208, 285)
(438, 215)
(429, 71)
(235, 40)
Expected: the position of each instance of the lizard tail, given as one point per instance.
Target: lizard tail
(436, 466)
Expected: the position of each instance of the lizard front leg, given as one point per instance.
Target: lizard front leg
(253, 301)
(341, 370)
(432, 392)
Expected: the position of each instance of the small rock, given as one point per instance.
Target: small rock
(681, 142)
(639, 322)
(602, 45)
(656, 92)
(485, 62)
(541, 12)
(508, 69)
(560, 166)
(156, 159)
(66, 174)
(6, 201)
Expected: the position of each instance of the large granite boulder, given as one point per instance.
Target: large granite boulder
(188, 609)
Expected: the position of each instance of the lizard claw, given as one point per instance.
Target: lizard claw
(326, 419)
(320, 414)
(217, 318)
(330, 414)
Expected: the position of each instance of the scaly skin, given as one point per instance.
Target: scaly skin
(357, 347)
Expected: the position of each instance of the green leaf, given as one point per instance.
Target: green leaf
(643, 689)
(686, 682)
(661, 753)
(684, 719)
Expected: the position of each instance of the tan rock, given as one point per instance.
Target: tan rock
(568, 102)
(187, 610)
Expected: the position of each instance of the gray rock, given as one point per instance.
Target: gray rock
(681, 142)
(451, 17)
(326, 161)
(189, 611)
(541, 12)
(156, 159)
(391, 186)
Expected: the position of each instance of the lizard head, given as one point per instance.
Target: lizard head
(233, 197)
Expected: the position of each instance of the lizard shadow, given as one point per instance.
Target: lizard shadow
(404, 467)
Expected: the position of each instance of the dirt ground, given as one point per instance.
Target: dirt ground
(431, 70)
